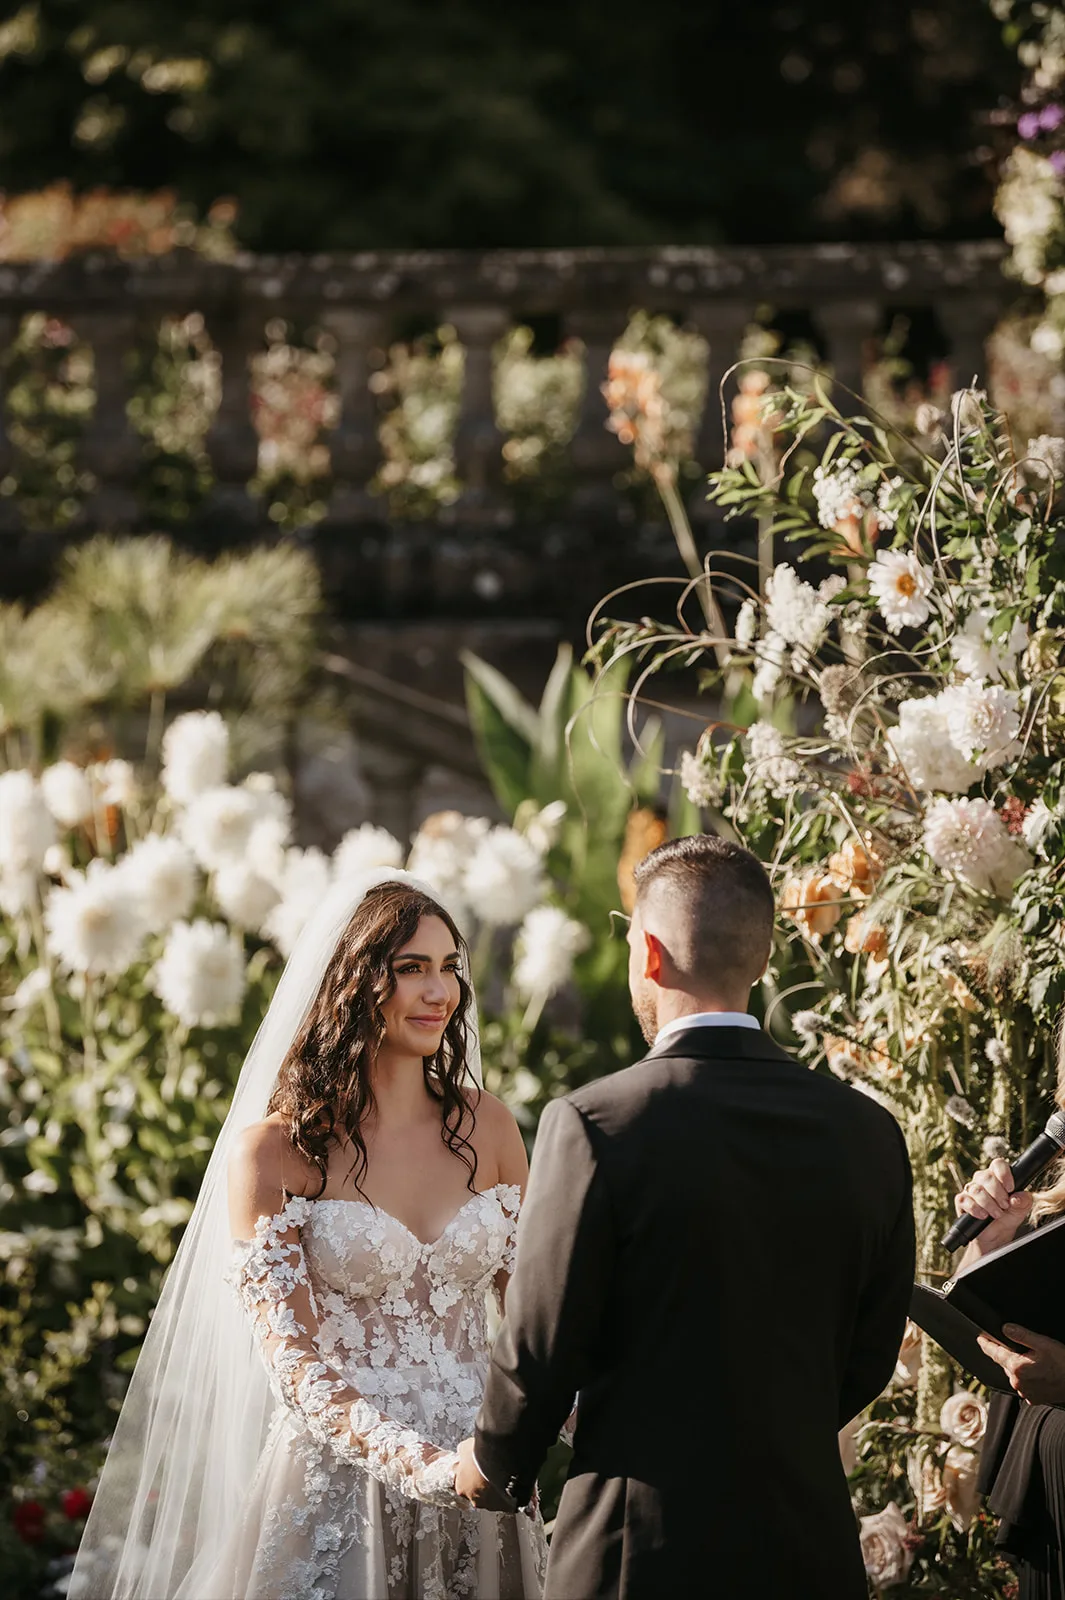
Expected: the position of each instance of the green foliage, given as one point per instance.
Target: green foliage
(571, 749)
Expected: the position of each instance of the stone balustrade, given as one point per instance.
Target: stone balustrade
(845, 292)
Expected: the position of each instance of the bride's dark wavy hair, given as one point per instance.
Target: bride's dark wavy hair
(324, 1088)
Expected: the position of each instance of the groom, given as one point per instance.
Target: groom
(717, 1251)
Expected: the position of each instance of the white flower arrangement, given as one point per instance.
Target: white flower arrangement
(200, 976)
(94, 923)
(548, 942)
(195, 755)
(504, 879)
(67, 792)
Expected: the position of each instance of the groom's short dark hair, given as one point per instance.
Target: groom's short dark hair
(719, 904)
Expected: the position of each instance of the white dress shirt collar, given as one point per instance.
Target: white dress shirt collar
(706, 1019)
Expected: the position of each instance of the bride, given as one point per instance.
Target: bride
(321, 1340)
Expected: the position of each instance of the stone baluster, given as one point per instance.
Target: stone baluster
(968, 321)
(597, 454)
(722, 324)
(232, 442)
(848, 325)
(9, 511)
(111, 449)
(478, 441)
(353, 443)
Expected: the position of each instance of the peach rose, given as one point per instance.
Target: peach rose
(959, 1483)
(911, 1354)
(964, 1418)
(856, 865)
(813, 903)
(886, 1551)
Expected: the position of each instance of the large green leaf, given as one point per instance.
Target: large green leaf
(505, 754)
(514, 709)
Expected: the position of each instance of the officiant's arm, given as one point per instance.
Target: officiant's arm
(884, 1302)
(554, 1304)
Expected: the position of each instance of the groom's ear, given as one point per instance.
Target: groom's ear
(654, 957)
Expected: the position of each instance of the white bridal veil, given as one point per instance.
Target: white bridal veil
(192, 1426)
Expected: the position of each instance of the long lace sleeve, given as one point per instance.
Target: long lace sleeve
(271, 1279)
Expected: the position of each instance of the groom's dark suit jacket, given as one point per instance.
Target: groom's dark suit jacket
(717, 1251)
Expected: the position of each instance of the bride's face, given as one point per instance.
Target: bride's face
(425, 970)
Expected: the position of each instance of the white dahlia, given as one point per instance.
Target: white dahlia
(547, 943)
(26, 826)
(195, 755)
(303, 884)
(217, 825)
(969, 838)
(19, 888)
(161, 876)
(117, 782)
(504, 879)
(95, 924)
(200, 976)
(901, 587)
(67, 793)
(364, 848)
(922, 746)
(442, 850)
(980, 656)
(244, 895)
(983, 722)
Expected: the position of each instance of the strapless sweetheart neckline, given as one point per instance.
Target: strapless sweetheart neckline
(426, 1244)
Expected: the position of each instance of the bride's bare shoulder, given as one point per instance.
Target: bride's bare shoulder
(499, 1139)
(264, 1168)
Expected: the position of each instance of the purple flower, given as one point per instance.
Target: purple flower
(1057, 161)
(1051, 117)
(1028, 125)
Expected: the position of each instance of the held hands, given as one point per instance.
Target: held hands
(989, 1193)
(468, 1480)
(1038, 1373)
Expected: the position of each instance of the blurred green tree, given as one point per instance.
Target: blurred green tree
(346, 124)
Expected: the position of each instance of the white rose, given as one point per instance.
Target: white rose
(960, 1473)
(964, 1418)
(885, 1548)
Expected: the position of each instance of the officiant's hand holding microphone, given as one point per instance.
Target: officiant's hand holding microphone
(1038, 1374)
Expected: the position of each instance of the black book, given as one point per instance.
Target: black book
(1023, 1282)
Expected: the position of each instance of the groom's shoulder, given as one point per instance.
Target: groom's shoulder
(622, 1094)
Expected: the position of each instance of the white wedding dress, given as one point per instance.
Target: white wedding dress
(377, 1346)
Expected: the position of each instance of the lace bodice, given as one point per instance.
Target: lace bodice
(374, 1339)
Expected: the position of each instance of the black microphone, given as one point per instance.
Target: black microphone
(1027, 1167)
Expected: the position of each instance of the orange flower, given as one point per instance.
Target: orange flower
(856, 865)
(813, 903)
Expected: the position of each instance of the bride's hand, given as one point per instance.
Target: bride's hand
(989, 1193)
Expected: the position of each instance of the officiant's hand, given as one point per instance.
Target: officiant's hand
(989, 1193)
(1038, 1373)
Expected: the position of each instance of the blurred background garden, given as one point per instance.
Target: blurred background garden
(362, 370)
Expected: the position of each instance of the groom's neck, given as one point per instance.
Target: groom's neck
(673, 1005)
